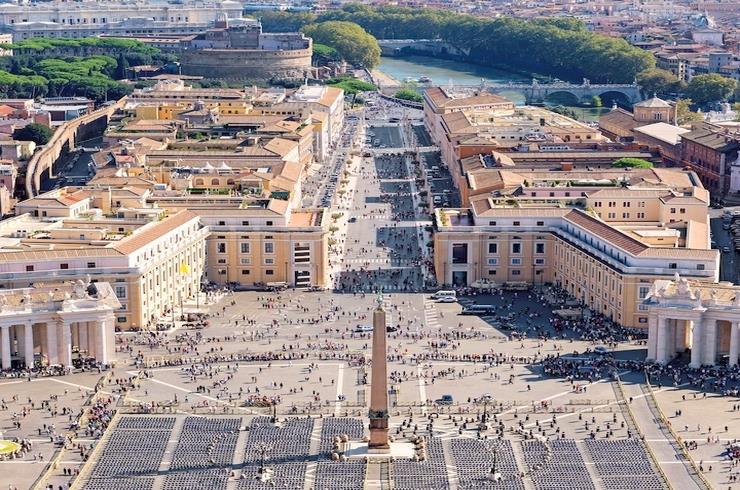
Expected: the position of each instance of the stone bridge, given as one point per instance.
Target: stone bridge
(535, 92)
(64, 140)
(398, 47)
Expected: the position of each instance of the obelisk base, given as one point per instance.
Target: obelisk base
(378, 436)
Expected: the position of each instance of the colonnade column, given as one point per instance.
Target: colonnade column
(65, 344)
(709, 339)
(652, 338)
(28, 344)
(662, 340)
(5, 347)
(83, 336)
(100, 344)
(734, 343)
(52, 343)
(696, 344)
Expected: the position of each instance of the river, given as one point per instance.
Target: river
(445, 72)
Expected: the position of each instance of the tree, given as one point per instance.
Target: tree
(706, 89)
(632, 163)
(350, 41)
(38, 133)
(121, 72)
(684, 114)
(596, 101)
(409, 94)
(656, 81)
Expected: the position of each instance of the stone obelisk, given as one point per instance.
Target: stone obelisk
(379, 384)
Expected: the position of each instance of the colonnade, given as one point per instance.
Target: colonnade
(55, 340)
(707, 337)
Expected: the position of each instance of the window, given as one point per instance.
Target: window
(539, 261)
(539, 248)
(222, 223)
(269, 248)
(492, 261)
(269, 261)
(625, 215)
(492, 272)
(516, 261)
(642, 292)
(245, 223)
(269, 272)
(245, 261)
(120, 292)
(245, 248)
(640, 215)
(121, 319)
(269, 223)
(673, 210)
(516, 272)
(491, 223)
(682, 210)
(540, 223)
(673, 265)
(29, 268)
(611, 215)
(517, 223)
(642, 319)
(221, 261)
(64, 266)
(459, 253)
(91, 265)
(516, 248)
(493, 248)
(221, 247)
(245, 272)
(700, 267)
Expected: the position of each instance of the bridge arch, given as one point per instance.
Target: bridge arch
(611, 96)
(561, 97)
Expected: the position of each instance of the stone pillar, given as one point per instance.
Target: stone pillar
(734, 343)
(697, 343)
(92, 338)
(52, 343)
(28, 344)
(710, 342)
(662, 344)
(82, 328)
(652, 338)
(101, 353)
(378, 412)
(110, 338)
(5, 347)
(65, 344)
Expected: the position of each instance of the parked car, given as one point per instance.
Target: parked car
(444, 400)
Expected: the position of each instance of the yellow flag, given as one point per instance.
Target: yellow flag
(184, 268)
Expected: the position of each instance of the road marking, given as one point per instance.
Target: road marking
(340, 382)
(422, 390)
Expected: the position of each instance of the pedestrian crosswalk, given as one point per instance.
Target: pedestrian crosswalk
(431, 316)
(381, 260)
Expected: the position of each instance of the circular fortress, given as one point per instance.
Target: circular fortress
(245, 52)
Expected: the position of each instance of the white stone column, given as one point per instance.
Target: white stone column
(52, 343)
(100, 345)
(28, 344)
(697, 343)
(84, 344)
(652, 338)
(710, 342)
(662, 343)
(65, 344)
(734, 343)
(5, 347)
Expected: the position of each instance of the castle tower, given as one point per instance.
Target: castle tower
(378, 412)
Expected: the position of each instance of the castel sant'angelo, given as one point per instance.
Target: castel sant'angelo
(240, 50)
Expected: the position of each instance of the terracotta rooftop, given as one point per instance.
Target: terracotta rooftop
(152, 231)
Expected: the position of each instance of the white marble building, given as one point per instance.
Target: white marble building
(702, 319)
(52, 325)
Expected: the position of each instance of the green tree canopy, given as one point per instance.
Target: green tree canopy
(409, 94)
(350, 41)
(351, 85)
(38, 133)
(705, 89)
(656, 81)
(684, 114)
(632, 163)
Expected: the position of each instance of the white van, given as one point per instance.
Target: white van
(444, 294)
(363, 328)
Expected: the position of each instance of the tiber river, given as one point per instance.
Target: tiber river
(443, 72)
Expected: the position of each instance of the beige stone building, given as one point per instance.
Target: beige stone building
(602, 242)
